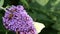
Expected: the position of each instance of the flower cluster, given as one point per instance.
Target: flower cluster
(16, 18)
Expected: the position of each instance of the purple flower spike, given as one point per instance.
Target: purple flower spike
(16, 18)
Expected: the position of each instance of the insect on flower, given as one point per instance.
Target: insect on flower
(10, 16)
(18, 20)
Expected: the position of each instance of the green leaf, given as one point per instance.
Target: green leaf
(2, 32)
(25, 3)
(1, 24)
(11, 32)
(56, 26)
(58, 32)
(42, 2)
(57, 1)
(48, 31)
(2, 28)
(33, 15)
(1, 2)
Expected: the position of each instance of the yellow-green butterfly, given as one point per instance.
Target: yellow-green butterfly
(38, 26)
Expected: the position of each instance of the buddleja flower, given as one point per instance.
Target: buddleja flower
(17, 19)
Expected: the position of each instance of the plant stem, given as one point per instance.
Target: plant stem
(16, 32)
(2, 8)
(6, 32)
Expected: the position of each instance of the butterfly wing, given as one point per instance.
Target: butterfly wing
(39, 26)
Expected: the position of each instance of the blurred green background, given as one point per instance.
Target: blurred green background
(43, 11)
